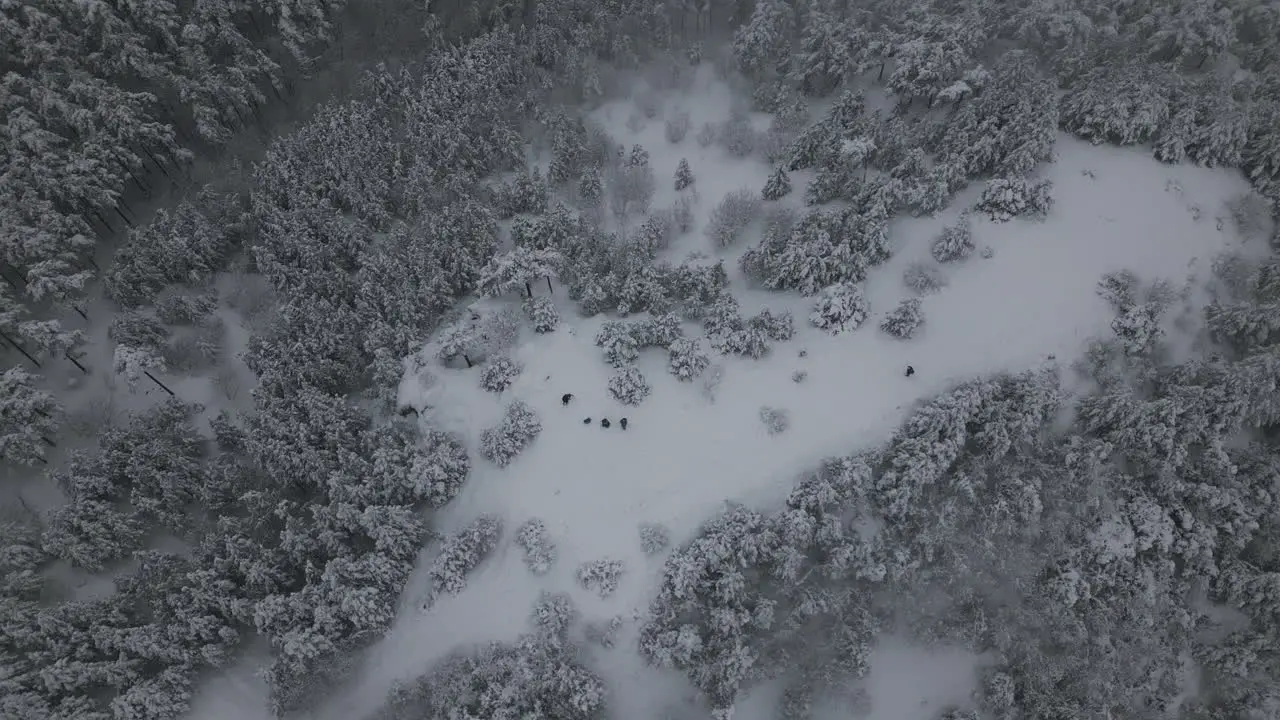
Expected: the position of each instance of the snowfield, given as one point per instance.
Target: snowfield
(683, 456)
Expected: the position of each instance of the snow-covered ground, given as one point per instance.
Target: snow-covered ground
(683, 456)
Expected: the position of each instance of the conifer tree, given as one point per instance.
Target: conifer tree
(684, 176)
(778, 185)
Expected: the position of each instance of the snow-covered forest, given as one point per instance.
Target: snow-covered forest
(786, 359)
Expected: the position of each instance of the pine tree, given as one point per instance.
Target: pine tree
(517, 430)
(461, 554)
(763, 43)
(629, 386)
(778, 185)
(954, 243)
(29, 418)
(904, 320)
(840, 308)
(590, 188)
(684, 177)
(539, 550)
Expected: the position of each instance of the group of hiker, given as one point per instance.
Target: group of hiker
(604, 422)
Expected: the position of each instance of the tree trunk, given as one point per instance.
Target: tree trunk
(162, 385)
(122, 215)
(75, 362)
(464, 357)
(549, 288)
(880, 77)
(528, 288)
(48, 442)
(103, 220)
(20, 349)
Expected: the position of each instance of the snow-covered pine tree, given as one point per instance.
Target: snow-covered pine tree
(517, 430)
(778, 185)
(904, 320)
(439, 468)
(778, 327)
(29, 419)
(499, 373)
(839, 308)
(762, 45)
(684, 177)
(539, 550)
(553, 614)
(1006, 198)
(528, 678)
(600, 576)
(629, 386)
(687, 359)
(461, 553)
(518, 270)
(590, 188)
(954, 243)
(542, 312)
(619, 343)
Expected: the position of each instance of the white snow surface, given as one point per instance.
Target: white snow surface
(684, 456)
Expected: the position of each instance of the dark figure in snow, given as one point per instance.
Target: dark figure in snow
(910, 371)
(586, 421)
(407, 410)
(566, 398)
(623, 423)
(605, 423)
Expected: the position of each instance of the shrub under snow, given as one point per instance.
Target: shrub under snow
(600, 576)
(461, 554)
(924, 278)
(654, 538)
(629, 386)
(735, 212)
(499, 373)
(1007, 198)
(776, 420)
(687, 359)
(508, 438)
(604, 634)
(539, 550)
(839, 308)
(553, 614)
(904, 320)
(678, 127)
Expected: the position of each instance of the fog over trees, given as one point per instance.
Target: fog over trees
(311, 200)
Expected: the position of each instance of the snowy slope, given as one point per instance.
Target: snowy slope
(684, 456)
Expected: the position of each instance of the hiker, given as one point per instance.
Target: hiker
(564, 399)
(586, 421)
(605, 423)
(910, 371)
(623, 423)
